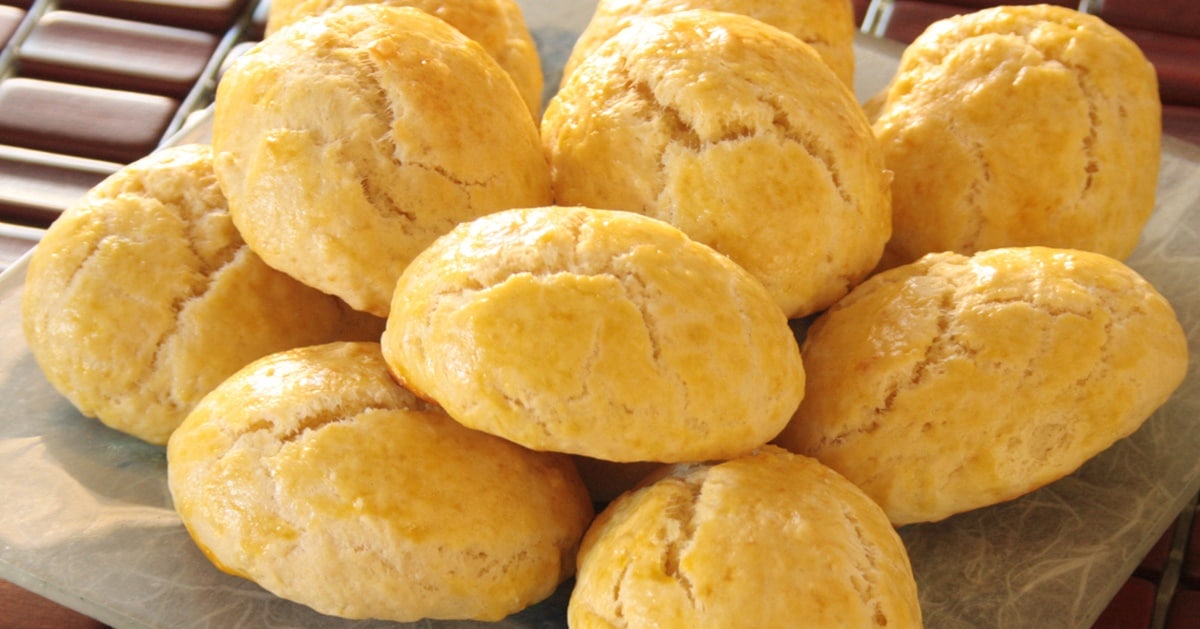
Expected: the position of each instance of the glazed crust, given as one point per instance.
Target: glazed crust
(347, 142)
(143, 297)
(737, 134)
(1018, 126)
(312, 473)
(767, 540)
(953, 383)
(826, 25)
(497, 25)
(594, 332)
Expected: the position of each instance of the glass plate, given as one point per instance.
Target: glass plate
(87, 519)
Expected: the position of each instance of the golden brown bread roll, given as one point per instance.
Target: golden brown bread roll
(954, 383)
(312, 473)
(1021, 125)
(601, 333)
(497, 25)
(143, 297)
(826, 25)
(771, 539)
(350, 140)
(737, 134)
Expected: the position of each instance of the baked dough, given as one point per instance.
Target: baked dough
(954, 383)
(737, 134)
(826, 25)
(601, 333)
(497, 25)
(1017, 126)
(768, 540)
(312, 473)
(349, 141)
(143, 297)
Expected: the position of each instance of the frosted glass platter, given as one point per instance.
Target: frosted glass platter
(86, 518)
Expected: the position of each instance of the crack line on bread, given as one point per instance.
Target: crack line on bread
(682, 512)
(811, 143)
(865, 581)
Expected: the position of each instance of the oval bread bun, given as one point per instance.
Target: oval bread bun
(739, 135)
(498, 25)
(349, 141)
(601, 333)
(826, 25)
(771, 539)
(312, 473)
(143, 297)
(1019, 126)
(954, 383)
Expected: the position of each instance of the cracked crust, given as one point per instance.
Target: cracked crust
(1001, 372)
(826, 25)
(1021, 125)
(143, 297)
(312, 473)
(349, 141)
(600, 333)
(737, 134)
(497, 25)
(766, 540)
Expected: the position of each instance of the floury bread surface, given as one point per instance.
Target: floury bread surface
(826, 25)
(601, 333)
(955, 382)
(143, 297)
(739, 135)
(497, 25)
(312, 473)
(771, 539)
(1019, 126)
(349, 141)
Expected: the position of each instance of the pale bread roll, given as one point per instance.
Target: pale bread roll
(143, 297)
(954, 383)
(312, 473)
(737, 134)
(600, 333)
(826, 25)
(349, 141)
(1018, 126)
(498, 25)
(772, 539)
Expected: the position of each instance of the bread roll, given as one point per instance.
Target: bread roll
(772, 539)
(497, 25)
(349, 141)
(143, 297)
(312, 473)
(739, 135)
(600, 333)
(826, 25)
(954, 383)
(1019, 126)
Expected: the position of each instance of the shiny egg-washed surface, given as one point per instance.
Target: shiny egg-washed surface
(57, 84)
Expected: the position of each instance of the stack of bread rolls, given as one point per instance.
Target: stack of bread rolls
(406, 335)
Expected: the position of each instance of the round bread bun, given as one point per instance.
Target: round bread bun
(348, 141)
(143, 297)
(601, 333)
(315, 475)
(497, 25)
(771, 539)
(1019, 126)
(739, 135)
(954, 382)
(826, 25)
